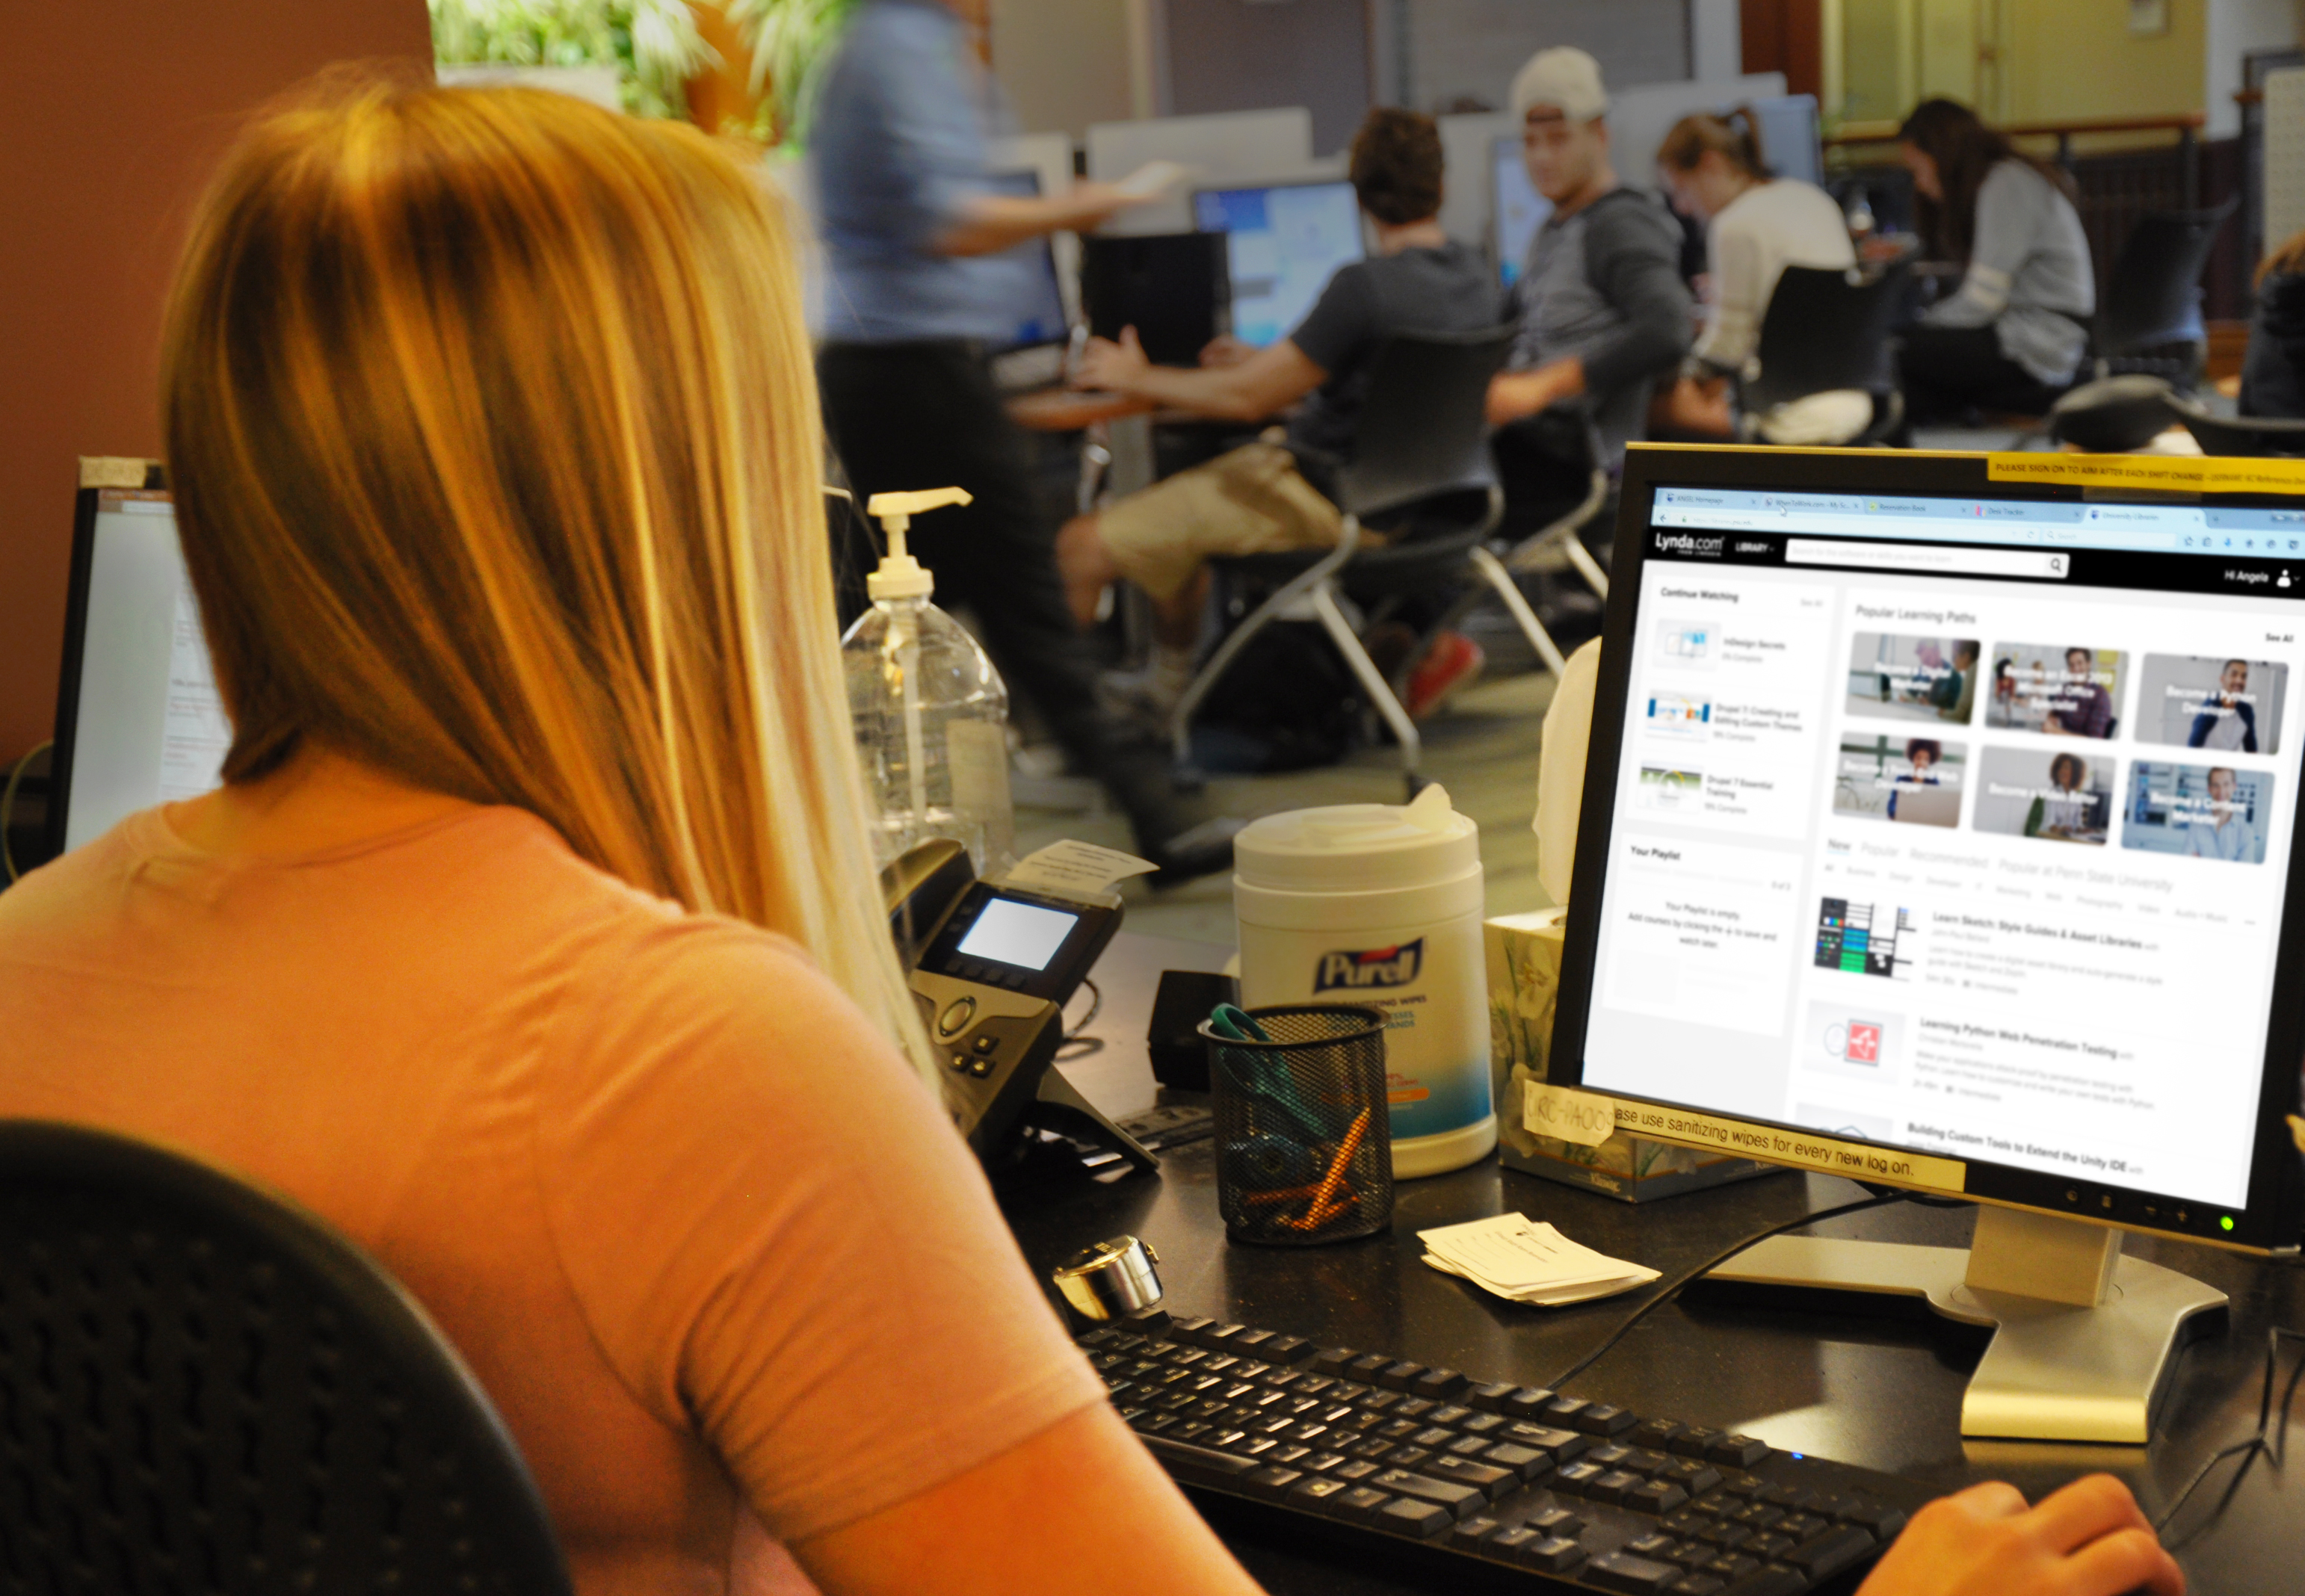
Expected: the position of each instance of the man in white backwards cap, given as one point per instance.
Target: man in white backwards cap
(1604, 309)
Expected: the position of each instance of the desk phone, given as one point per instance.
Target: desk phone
(992, 967)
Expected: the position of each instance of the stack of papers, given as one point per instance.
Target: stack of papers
(1526, 1263)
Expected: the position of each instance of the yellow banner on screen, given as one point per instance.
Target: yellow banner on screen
(2164, 474)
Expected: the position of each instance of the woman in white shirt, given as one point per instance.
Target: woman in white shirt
(2014, 337)
(1757, 225)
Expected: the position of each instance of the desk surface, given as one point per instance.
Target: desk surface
(1879, 1390)
(1070, 410)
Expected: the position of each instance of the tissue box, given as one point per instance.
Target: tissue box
(1523, 962)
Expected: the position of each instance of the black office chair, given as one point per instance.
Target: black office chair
(1823, 331)
(204, 1389)
(1421, 474)
(2242, 436)
(2150, 323)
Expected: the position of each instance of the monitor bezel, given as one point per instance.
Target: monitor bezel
(64, 738)
(2270, 1220)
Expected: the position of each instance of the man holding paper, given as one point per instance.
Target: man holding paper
(922, 286)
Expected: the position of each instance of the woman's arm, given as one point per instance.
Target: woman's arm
(2008, 217)
(1082, 1495)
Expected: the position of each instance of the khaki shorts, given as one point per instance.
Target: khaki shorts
(1250, 501)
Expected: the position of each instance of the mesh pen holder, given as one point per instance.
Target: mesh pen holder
(1304, 1138)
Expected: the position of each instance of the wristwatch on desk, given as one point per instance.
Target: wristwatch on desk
(1110, 1280)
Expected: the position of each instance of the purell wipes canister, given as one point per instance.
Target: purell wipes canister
(1379, 904)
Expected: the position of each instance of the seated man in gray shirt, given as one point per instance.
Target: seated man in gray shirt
(1267, 495)
(1604, 309)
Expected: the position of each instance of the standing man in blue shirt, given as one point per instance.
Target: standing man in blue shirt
(918, 295)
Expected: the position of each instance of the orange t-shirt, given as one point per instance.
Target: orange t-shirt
(705, 1237)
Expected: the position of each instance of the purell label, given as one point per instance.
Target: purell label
(1376, 969)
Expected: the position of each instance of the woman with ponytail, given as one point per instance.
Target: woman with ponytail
(1756, 224)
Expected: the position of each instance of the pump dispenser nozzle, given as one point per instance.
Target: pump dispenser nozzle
(899, 576)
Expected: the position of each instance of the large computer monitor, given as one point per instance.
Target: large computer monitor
(1041, 312)
(1978, 874)
(1246, 145)
(1283, 242)
(138, 719)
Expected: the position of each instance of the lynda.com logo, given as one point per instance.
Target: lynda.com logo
(1681, 543)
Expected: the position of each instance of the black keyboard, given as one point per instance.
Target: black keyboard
(1472, 1476)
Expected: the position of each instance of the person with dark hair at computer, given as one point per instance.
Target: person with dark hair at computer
(2228, 720)
(2079, 705)
(1921, 757)
(1756, 224)
(2273, 370)
(919, 285)
(2013, 337)
(1603, 312)
(533, 940)
(1273, 494)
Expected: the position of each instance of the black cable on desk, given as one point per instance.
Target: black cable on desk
(1878, 1200)
(2273, 1450)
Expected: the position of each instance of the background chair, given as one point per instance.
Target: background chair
(2239, 435)
(1421, 474)
(1826, 330)
(204, 1389)
(2150, 323)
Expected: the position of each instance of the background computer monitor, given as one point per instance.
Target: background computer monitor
(138, 719)
(1790, 141)
(1518, 209)
(1639, 117)
(1043, 317)
(1282, 244)
(1245, 145)
(1051, 156)
(2072, 1002)
(1169, 286)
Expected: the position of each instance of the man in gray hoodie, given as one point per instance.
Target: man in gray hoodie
(1603, 310)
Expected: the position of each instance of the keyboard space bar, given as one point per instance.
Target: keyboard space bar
(1198, 1464)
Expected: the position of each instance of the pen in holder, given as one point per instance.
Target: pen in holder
(1304, 1138)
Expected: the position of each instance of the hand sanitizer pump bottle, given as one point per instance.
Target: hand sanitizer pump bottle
(931, 712)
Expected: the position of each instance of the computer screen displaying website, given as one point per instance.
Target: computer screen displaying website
(1961, 826)
(1283, 243)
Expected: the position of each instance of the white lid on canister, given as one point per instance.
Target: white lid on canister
(1358, 847)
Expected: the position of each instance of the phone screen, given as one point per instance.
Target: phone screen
(1024, 934)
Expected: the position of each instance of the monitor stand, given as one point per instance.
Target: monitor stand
(2082, 1336)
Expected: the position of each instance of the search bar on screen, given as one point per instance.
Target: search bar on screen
(1923, 560)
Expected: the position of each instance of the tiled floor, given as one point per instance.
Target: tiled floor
(1482, 747)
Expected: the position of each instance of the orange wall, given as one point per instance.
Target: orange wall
(112, 112)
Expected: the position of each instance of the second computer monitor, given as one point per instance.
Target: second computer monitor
(1041, 308)
(1519, 210)
(1283, 242)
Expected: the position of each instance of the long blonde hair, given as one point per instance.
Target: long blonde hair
(496, 450)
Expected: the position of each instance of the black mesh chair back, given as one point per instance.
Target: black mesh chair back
(1423, 432)
(2241, 435)
(1823, 330)
(205, 1391)
(2154, 300)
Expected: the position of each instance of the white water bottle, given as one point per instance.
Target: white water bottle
(931, 714)
(1380, 904)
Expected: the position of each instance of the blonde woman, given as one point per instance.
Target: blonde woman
(533, 938)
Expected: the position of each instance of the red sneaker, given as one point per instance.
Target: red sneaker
(1453, 661)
